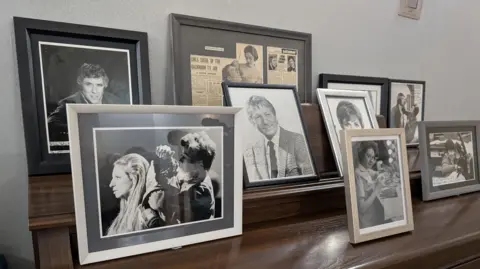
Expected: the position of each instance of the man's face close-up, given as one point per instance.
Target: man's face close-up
(92, 89)
(265, 121)
(274, 62)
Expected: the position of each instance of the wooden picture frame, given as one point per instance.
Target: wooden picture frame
(291, 169)
(215, 40)
(376, 86)
(438, 182)
(93, 125)
(46, 49)
(372, 223)
(333, 125)
(394, 93)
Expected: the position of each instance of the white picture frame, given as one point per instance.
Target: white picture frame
(332, 123)
(86, 256)
(361, 231)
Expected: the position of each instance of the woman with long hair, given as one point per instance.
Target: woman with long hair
(128, 185)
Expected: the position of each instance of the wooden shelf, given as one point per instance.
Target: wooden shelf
(446, 231)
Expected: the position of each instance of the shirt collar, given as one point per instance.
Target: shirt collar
(275, 139)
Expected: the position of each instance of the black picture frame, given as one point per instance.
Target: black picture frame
(325, 79)
(28, 33)
(226, 86)
(182, 74)
(422, 115)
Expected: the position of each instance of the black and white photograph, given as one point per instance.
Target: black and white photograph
(343, 110)
(407, 107)
(147, 186)
(378, 182)
(148, 178)
(74, 74)
(292, 65)
(62, 63)
(272, 62)
(449, 153)
(376, 87)
(276, 148)
(250, 63)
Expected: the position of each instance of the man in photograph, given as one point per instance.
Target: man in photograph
(279, 153)
(272, 62)
(92, 80)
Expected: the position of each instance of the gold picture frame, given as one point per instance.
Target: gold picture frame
(366, 222)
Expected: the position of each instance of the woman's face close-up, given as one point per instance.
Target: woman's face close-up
(369, 158)
(249, 58)
(121, 183)
(353, 122)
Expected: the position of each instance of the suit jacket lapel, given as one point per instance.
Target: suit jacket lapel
(282, 153)
(261, 160)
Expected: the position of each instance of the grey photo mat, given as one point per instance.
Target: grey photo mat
(88, 121)
(430, 192)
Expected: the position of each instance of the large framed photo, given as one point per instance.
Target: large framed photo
(276, 148)
(377, 184)
(376, 87)
(148, 178)
(407, 107)
(345, 109)
(60, 64)
(449, 151)
(207, 52)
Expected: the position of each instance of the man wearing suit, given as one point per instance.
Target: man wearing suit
(280, 153)
(92, 80)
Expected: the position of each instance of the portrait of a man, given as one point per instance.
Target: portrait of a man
(75, 74)
(279, 152)
(272, 62)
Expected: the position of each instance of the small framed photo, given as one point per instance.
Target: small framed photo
(376, 87)
(449, 151)
(377, 183)
(407, 107)
(276, 148)
(345, 109)
(62, 63)
(149, 178)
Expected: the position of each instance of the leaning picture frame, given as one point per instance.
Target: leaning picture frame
(176, 171)
(377, 88)
(207, 52)
(61, 63)
(449, 152)
(342, 109)
(276, 147)
(377, 183)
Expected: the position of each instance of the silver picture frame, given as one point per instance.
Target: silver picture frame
(86, 124)
(430, 168)
(328, 116)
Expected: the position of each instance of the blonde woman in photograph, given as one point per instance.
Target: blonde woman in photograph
(128, 185)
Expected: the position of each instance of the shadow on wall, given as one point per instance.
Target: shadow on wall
(10, 261)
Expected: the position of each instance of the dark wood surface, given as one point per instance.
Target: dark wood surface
(52, 247)
(446, 231)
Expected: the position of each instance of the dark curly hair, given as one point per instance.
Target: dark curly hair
(364, 146)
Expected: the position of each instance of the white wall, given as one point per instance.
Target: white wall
(349, 36)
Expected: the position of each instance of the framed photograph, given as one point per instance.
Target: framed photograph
(276, 148)
(345, 109)
(449, 151)
(414, 162)
(207, 52)
(407, 107)
(149, 178)
(377, 183)
(60, 64)
(377, 88)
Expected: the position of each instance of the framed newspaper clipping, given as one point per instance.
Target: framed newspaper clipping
(207, 52)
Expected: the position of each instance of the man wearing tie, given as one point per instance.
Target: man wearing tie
(279, 153)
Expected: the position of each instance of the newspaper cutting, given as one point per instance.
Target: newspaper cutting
(282, 66)
(250, 63)
(207, 76)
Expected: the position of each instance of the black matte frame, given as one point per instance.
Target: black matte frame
(178, 20)
(24, 28)
(409, 82)
(348, 79)
(226, 86)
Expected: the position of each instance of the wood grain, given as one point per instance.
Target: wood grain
(53, 247)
